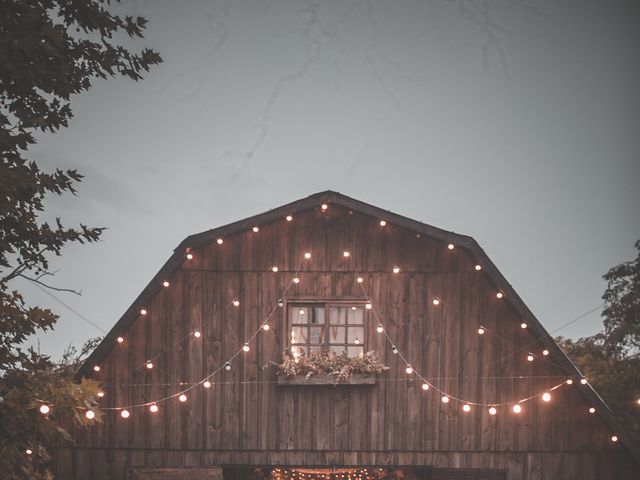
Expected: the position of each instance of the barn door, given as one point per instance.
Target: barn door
(211, 473)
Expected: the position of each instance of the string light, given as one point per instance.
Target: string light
(380, 328)
(445, 399)
(394, 350)
(124, 413)
(382, 223)
(530, 358)
(96, 368)
(324, 206)
(614, 438)
(359, 279)
(307, 255)
(182, 397)
(638, 401)
(274, 269)
(409, 369)
(197, 334)
(517, 408)
(451, 246)
(227, 366)
(266, 327)
(143, 312)
(119, 339)
(206, 384)
(44, 409)
(280, 303)
(481, 331)
(220, 241)
(236, 303)
(583, 381)
(100, 394)
(569, 382)
(425, 386)
(436, 301)
(153, 408)
(90, 414)
(165, 284)
(523, 325)
(396, 269)
(28, 451)
(289, 218)
(245, 347)
(545, 352)
(592, 410)
(499, 295)
(478, 268)
(368, 306)
(346, 254)
(149, 365)
(466, 408)
(492, 410)
(296, 280)
(546, 396)
(189, 256)
(256, 229)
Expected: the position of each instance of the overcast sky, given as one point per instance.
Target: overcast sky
(515, 124)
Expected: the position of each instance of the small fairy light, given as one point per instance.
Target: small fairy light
(182, 397)
(523, 325)
(529, 358)
(100, 394)
(481, 331)
(307, 255)
(288, 218)
(324, 206)
(119, 339)
(280, 303)
(206, 384)
(445, 399)
(189, 256)
(569, 382)
(409, 369)
(516, 408)
(143, 312)
(394, 349)
(153, 408)
(396, 269)
(425, 386)
(346, 254)
(354, 308)
(466, 408)
(357, 341)
(436, 301)
(227, 366)
(368, 306)
(492, 410)
(149, 365)
(546, 397)
(499, 295)
(124, 413)
(256, 229)
(592, 410)
(359, 279)
(638, 401)
(245, 347)
(301, 311)
(219, 241)
(296, 280)
(545, 352)
(614, 438)
(44, 409)
(478, 268)
(380, 328)
(197, 334)
(236, 303)
(28, 451)
(90, 414)
(383, 223)
(266, 327)
(165, 284)
(96, 368)
(451, 246)
(583, 381)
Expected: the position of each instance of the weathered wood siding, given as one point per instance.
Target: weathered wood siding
(392, 423)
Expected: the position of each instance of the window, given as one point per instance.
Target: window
(327, 327)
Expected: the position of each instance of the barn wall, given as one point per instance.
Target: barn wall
(393, 422)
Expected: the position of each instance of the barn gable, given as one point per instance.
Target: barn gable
(440, 341)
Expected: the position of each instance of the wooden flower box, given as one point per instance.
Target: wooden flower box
(316, 380)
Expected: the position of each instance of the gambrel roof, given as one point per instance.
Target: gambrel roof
(335, 198)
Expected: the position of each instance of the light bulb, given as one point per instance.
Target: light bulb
(124, 413)
(451, 246)
(289, 218)
(357, 341)
(153, 408)
(396, 269)
(256, 229)
(280, 303)
(409, 370)
(266, 327)
(96, 368)
(492, 411)
(569, 382)
(394, 350)
(517, 408)
(592, 410)
(236, 303)
(143, 312)
(182, 397)
(466, 408)
(227, 366)
(274, 269)
(530, 358)
(346, 254)
(382, 223)
(614, 438)
(499, 295)
(219, 241)
(245, 347)
(28, 451)
(165, 284)
(523, 325)
(119, 339)
(206, 384)
(380, 329)
(478, 268)
(583, 381)
(638, 401)
(307, 255)
(189, 256)
(369, 306)
(90, 414)
(359, 279)
(481, 331)
(546, 396)
(296, 280)
(436, 301)
(445, 399)
(100, 394)
(545, 352)
(324, 206)
(197, 334)
(425, 386)
(44, 409)
(149, 365)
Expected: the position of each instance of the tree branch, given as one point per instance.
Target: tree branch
(57, 289)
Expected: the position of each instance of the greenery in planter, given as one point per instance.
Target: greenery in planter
(329, 363)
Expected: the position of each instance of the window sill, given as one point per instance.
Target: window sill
(355, 379)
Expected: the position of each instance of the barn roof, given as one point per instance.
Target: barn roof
(312, 201)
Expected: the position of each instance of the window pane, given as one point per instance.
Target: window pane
(338, 349)
(337, 335)
(299, 314)
(336, 315)
(355, 315)
(316, 349)
(299, 335)
(318, 315)
(355, 351)
(316, 335)
(355, 335)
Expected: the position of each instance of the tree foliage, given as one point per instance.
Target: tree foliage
(49, 51)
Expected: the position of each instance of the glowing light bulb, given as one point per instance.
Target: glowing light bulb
(256, 229)
(182, 397)
(357, 341)
(289, 218)
(236, 303)
(266, 327)
(583, 381)
(638, 401)
(369, 306)
(545, 352)
(189, 256)
(206, 384)
(324, 206)
(220, 241)
(346, 254)
(523, 325)
(481, 331)
(124, 414)
(451, 246)
(153, 408)
(197, 334)
(425, 386)
(307, 255)
(143, 312)
(280, 303)
(359, 279)
(119, 339)
(614, 438)
(394, 350)
(409, 370)
(569, 382)
(546, 396)
(517, 408)
(227, 366)
(492, 411)
(296, 280)
(396, 269)
(274, 269)
(380, 329)
(499, 295)
(436, 301)
(478, 268)
(382, 223)
(90, 414)
(301, 311)
(96, 368)
(592, 410)
(245, 347)
(165, 284)
(529, 358)
(445, 399)
(466, 408)
(28, 451)
(100, 394)
(149, 365)
(44, 409)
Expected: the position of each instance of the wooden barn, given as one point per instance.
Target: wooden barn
(475, 389)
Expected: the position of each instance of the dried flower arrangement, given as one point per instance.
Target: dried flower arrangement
(329, 363)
